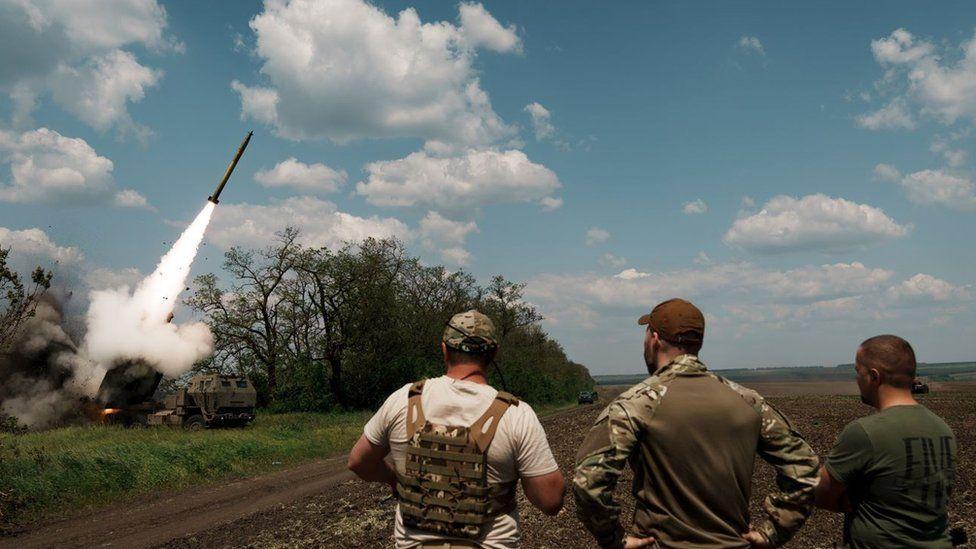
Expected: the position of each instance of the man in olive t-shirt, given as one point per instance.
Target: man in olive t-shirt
(890, 472)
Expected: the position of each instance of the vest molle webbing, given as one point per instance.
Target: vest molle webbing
(445, 489)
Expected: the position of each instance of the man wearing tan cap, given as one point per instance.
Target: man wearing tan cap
(459, 447)
(691, 438)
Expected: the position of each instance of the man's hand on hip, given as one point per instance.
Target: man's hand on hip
(631, 542)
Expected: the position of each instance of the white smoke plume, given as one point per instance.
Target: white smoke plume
(124, 325)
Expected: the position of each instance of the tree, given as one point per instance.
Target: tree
(18, 300)
(247, 320)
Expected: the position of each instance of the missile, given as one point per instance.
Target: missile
(230, 169)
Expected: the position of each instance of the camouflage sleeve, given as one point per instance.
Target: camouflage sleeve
(788, 507)
(601, 459)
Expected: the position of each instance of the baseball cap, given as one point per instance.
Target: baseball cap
(470, 332)
(676, 321)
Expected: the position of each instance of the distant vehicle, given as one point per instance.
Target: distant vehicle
(209, 400)
(920, 388)
(587, 397)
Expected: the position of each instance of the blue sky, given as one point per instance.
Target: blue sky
(803, 172)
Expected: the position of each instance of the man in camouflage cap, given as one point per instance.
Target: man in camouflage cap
(458, 425)
(691, 438)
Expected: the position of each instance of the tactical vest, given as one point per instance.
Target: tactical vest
(445, 489)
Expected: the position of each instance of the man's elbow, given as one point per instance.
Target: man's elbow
(356, 464)
(553, 507)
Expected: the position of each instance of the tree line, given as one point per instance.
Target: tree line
(321, 329)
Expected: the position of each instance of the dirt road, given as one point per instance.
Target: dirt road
(158, 520)
(318, 505)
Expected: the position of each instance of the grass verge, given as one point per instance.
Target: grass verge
(51, 471)
(79, 466)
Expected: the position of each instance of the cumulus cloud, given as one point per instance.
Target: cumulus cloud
(303, 177)
(894, 115)
(320, 221)
(35, 246)
(459, 183)
(695, 207)
(128, 198)
(45, 165)
(942, 86)
(886, 172)
(99, 91)
(541, 121)
(815, 222)
(751, 44)
(940, 188)
(345, 70)
(550, 203)
(927, 288)
(76, 51)
(596, 235)
(446, 237)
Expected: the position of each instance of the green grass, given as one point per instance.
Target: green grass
(53, 470)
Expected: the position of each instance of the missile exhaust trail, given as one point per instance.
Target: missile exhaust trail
(230, 169)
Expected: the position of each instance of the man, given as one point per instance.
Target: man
(459, 446)
(691, 438)
(891, 472)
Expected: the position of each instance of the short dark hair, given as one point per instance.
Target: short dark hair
(691, 346)
(456, 356)
(892, 354)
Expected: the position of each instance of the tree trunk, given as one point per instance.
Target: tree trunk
(335, 380)
(272, 382)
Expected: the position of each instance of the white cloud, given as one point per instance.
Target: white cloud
(815, 222)
(480, 28)
(695, 207)
(74, 49)
(550, 203)
(447, 237)
(98, 92)
(101, 278)
(304, 177)
(613, 261)
(927, 288)
(596, 235)
(345, 70)
(940, 188)
(45, 166)
(541, 121)
(941, 87)
(35, 246)
(894, 115)
(886, 172)
(751, 44)
(702, 259)
(735, 281)
(128, 198)
(460, 183)
(320, 222)
(631, 274)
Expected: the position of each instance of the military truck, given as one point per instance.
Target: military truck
(208, 400)
(919, 387)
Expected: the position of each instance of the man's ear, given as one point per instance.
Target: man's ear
(444, 351)
(876, 375)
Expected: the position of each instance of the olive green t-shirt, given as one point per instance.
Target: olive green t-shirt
(898, 466)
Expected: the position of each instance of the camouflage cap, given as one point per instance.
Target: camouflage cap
(470, 332)
(677, 321)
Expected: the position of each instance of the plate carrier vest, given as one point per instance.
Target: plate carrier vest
(445, 489)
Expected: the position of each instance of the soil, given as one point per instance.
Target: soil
(317, 505)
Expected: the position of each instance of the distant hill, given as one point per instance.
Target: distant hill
(947, 371)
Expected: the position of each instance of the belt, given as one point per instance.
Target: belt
(451, 544)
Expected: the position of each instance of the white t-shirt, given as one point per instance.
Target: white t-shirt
(519, 449)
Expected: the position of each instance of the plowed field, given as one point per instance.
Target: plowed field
(355, 515)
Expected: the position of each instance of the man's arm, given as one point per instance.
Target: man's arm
(367, 461)
(601, 460)
(831, 494)
(796, 466)
(545, 491)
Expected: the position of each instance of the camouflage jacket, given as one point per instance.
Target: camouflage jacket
(691, 438)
